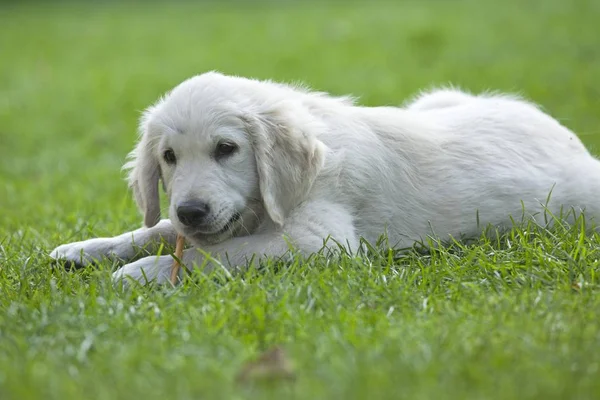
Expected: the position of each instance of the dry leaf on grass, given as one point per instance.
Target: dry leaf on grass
(272, 365)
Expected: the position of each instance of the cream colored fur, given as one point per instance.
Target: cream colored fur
(309, 167)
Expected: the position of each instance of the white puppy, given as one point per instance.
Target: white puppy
(251, 167)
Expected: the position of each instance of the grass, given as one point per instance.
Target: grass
(516, 317)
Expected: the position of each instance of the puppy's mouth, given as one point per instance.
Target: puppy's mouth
(230, 224)
(234, 218)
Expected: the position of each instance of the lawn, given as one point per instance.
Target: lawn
(517, 317)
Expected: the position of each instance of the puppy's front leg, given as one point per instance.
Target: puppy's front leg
(303, 231)
(235, 252)
(124, 247)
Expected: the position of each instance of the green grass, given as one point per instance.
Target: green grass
(492, 319)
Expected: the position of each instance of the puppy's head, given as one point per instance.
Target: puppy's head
(232, 153)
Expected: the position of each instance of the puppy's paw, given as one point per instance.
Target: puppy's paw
(153, 269)
(87, 252)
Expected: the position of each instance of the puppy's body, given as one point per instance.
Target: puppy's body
(482, 160)
(307, 166)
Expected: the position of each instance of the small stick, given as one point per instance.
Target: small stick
(179, 255)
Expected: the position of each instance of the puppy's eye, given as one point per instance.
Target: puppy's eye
(225, 149)
(169, 156)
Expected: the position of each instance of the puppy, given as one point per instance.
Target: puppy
(253, 167)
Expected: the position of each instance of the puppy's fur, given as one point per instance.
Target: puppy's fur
(307, 166)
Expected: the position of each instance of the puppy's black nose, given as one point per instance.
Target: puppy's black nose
(192, 213)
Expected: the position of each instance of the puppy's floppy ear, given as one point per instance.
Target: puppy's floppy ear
(288, 157)
(144, 174)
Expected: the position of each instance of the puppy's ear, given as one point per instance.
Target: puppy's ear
(288, 158)
(144, 174)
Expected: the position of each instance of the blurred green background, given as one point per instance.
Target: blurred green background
(74, 78)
